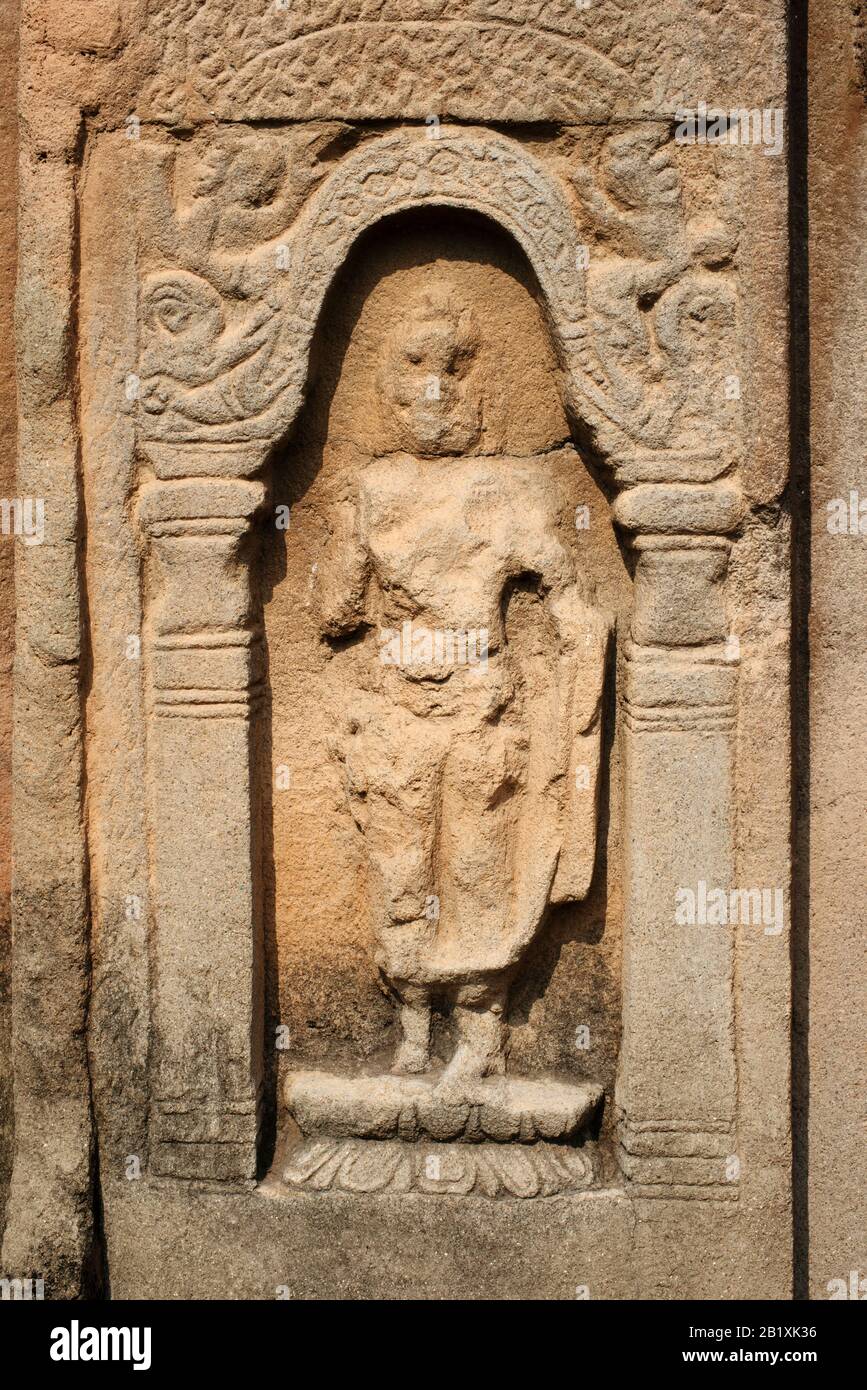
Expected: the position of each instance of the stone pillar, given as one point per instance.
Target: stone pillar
(676, 1090)
(204, 672)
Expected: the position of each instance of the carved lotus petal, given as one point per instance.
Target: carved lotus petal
(374, 1167)
(445, 1169)
(515, 1170)
(315, 1163)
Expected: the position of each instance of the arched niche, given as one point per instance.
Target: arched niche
(322, 985)
(224, 376)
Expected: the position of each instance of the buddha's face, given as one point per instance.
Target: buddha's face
(428, 379)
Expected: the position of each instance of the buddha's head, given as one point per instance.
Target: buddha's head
(428, 384)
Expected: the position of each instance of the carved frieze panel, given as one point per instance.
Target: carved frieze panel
(494, 60)
(633, 260)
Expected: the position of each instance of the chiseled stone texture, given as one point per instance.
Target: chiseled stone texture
(8, 210)
(353, 1246)
(832, 962)
(521, 60)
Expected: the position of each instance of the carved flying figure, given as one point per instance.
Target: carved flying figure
(662, 307)
(471, 754)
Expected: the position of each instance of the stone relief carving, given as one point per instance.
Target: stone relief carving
(250, 385)
(494, 59)
(194, 174)
(659, 294)
(457, 1170)
(288, 51)
(470, 750)
(471, 755)
(227, 351)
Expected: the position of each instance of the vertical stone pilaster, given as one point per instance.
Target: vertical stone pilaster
(676, 1090)
(204, 669)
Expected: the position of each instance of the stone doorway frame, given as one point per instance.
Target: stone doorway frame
(679, 693)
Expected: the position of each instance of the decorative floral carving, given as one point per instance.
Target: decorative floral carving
(486, 1170)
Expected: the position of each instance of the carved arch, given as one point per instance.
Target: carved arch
(239, 380)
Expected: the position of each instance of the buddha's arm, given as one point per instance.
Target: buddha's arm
(344, 574)
(583, 635)
(579, 675)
